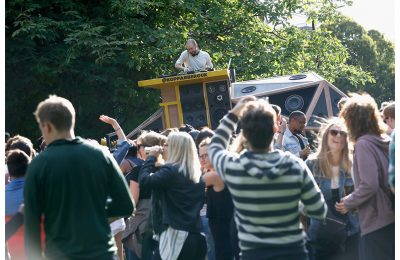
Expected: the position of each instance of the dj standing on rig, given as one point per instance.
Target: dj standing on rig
(193, 59)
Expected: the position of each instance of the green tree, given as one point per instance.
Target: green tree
(370, 51)
(95, 52)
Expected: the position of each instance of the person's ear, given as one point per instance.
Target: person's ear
(275, 128)
(49, 126)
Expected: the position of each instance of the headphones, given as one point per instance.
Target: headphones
(197, 53)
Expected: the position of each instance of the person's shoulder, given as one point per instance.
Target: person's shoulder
(185, 54)
(311, 159)
(91, 145)
(287, 133)
(286, 157)
(173, 168)
(311, 162)
(294, 161)
(204, 53)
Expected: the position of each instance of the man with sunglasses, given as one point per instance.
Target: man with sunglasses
(293, 139)
(193, 59)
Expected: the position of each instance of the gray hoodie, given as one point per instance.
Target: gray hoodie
(370, 167)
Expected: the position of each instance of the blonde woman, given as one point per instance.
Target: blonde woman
(179, 191)
(331, 168)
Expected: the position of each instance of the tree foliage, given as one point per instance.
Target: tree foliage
(95, 52)
(370, 51)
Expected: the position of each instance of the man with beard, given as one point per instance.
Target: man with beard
(193, 58)
(293, 139)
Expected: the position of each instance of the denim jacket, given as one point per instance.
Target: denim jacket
(121, 150)
(291, 144)
(325, 187)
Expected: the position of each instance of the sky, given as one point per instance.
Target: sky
(374, 14)
(371, 14)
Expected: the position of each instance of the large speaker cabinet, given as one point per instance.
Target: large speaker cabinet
(199, 99)
(308, 92)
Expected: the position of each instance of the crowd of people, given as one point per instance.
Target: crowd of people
(259, 192)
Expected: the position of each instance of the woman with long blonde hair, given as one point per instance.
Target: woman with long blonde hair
(331, 168)
(180, 194)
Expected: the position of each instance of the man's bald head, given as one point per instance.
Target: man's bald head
(192, 47)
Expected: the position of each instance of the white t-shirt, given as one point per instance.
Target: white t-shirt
(198, 62)
(335, 177)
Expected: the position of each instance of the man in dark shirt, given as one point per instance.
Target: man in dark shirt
(75, 186)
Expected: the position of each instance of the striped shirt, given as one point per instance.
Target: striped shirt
(267, 191)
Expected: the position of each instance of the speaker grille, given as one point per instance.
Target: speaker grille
(219, 101)
(298, 77)
(193, 105)
(292, 100)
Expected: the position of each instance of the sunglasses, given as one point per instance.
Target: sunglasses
(203, 156)
(334, 132)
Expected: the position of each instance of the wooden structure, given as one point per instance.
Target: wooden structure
(193, 99)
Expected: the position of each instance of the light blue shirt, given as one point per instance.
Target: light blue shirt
(14, 193)
(291, 144)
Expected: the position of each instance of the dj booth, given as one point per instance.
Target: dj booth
(203, 98)
(198, 99)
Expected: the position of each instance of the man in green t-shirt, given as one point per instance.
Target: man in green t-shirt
(75, 187)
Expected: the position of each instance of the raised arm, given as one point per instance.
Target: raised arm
(122, 144)
(219, 142)
(114, 123)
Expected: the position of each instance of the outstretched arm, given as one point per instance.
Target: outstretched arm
(217, 148)
(122, 145)
(117, 128)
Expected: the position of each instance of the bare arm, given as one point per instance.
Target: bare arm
(117, 128)
(211, 178)
(281, 131)
(134, 188)
(125, 166)
(179, 63)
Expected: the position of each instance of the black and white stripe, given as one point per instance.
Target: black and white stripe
(266, 189)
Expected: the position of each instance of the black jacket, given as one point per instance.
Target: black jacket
(180, 199)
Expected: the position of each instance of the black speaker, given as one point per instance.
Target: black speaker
(292, 100)
(219, 101)
(193, 105)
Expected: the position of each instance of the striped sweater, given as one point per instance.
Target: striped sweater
(267, 190)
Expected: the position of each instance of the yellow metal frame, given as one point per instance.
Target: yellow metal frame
(166, 111)
(178, 97)
(206, 102)
(184, 79)
(179, 81)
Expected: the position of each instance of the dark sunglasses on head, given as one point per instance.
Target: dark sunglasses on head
(334, 132)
